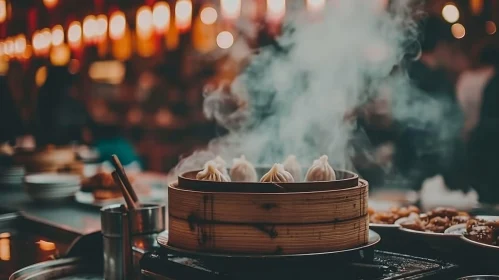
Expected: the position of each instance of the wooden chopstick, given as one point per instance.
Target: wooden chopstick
(122, 175)
(128, 199)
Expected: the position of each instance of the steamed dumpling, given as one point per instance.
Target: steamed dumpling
(220, 164)
(277, 174)
(243, 171)
(320, 171)
(292, 165)
(211, 173)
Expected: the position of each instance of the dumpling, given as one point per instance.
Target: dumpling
(243, 171)
(292, 165)
(277, 174)
(211, 173)
(320, 171)
(220, 164)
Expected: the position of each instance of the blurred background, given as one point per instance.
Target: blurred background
(134, 71)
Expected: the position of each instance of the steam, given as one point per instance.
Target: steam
(292, 98)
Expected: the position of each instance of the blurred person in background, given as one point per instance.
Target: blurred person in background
(60, 116)
(482, 132)
(11, 124)
(427, 147)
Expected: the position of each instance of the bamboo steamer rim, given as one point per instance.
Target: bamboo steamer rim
(352, 177)
(362, 184)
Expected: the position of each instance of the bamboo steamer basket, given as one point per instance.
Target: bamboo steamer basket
(47, 159)
(308, 217)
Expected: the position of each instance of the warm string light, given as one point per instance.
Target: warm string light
(144, 22)
(74, 34)
(225, 40)
(20, 45)
(89, 29)
(117, 25)
(276, 9)
(231, 9)
(450, 13)
(183, 15)
(50, 3)
(57, 35)
(161, 17)
(208, 15)
(490, 27)
(458, 31)
(101, 31)
(9, 47)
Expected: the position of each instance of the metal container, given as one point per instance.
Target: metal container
(119, 228)
(479, 277)
(70, 268)
(116, 242)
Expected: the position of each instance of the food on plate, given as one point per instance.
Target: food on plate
(320, 171)
(103, 187)
(436, 220)
(277, 174)
(292, 165)
(243, 171)
(211, 173)
(483, 231)
(390, 216)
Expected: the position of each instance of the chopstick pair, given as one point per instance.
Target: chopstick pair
(120, 178)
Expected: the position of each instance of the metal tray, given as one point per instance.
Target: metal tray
(374, 238)
(71, 268)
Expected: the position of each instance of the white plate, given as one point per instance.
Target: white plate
(88, 199)
(52, 179)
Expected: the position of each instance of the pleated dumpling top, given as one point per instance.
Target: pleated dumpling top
(320, 171)
(211, 173)
(277, 174)
(243, 171)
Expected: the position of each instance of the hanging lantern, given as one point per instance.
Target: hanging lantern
(476, 7)
(74, 35)
(20, 45)
(89, 29)
(57, 35)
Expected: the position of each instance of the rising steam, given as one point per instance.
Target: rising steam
(297, 94)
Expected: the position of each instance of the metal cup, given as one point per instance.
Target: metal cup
(119, 227)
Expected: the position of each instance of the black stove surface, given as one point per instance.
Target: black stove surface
(160, 264)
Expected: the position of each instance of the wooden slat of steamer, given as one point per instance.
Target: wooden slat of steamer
(268, 239)
(275, 208)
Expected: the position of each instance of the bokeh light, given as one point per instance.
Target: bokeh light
(20, 45)
(225, 40)
(161, 16)
(89, 28)
(57, 35)
(74, 33)
(183, 14)
(458, 31)
(276, 9)
(9, 47)
(231, 9)
(3, 10)
(50, 3)
(117, 25)
(450, 13)
(490, 27)
(315, 5)
(144, 22)
(60, 55)
(101, 27)
(209, 15)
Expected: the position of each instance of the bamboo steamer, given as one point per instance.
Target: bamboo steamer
(278, 221)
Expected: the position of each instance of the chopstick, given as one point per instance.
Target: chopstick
(122, 175)
(128, 198)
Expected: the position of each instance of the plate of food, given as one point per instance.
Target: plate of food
(483, 231)
(433, 222)
(100, 190)
(387, 219)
